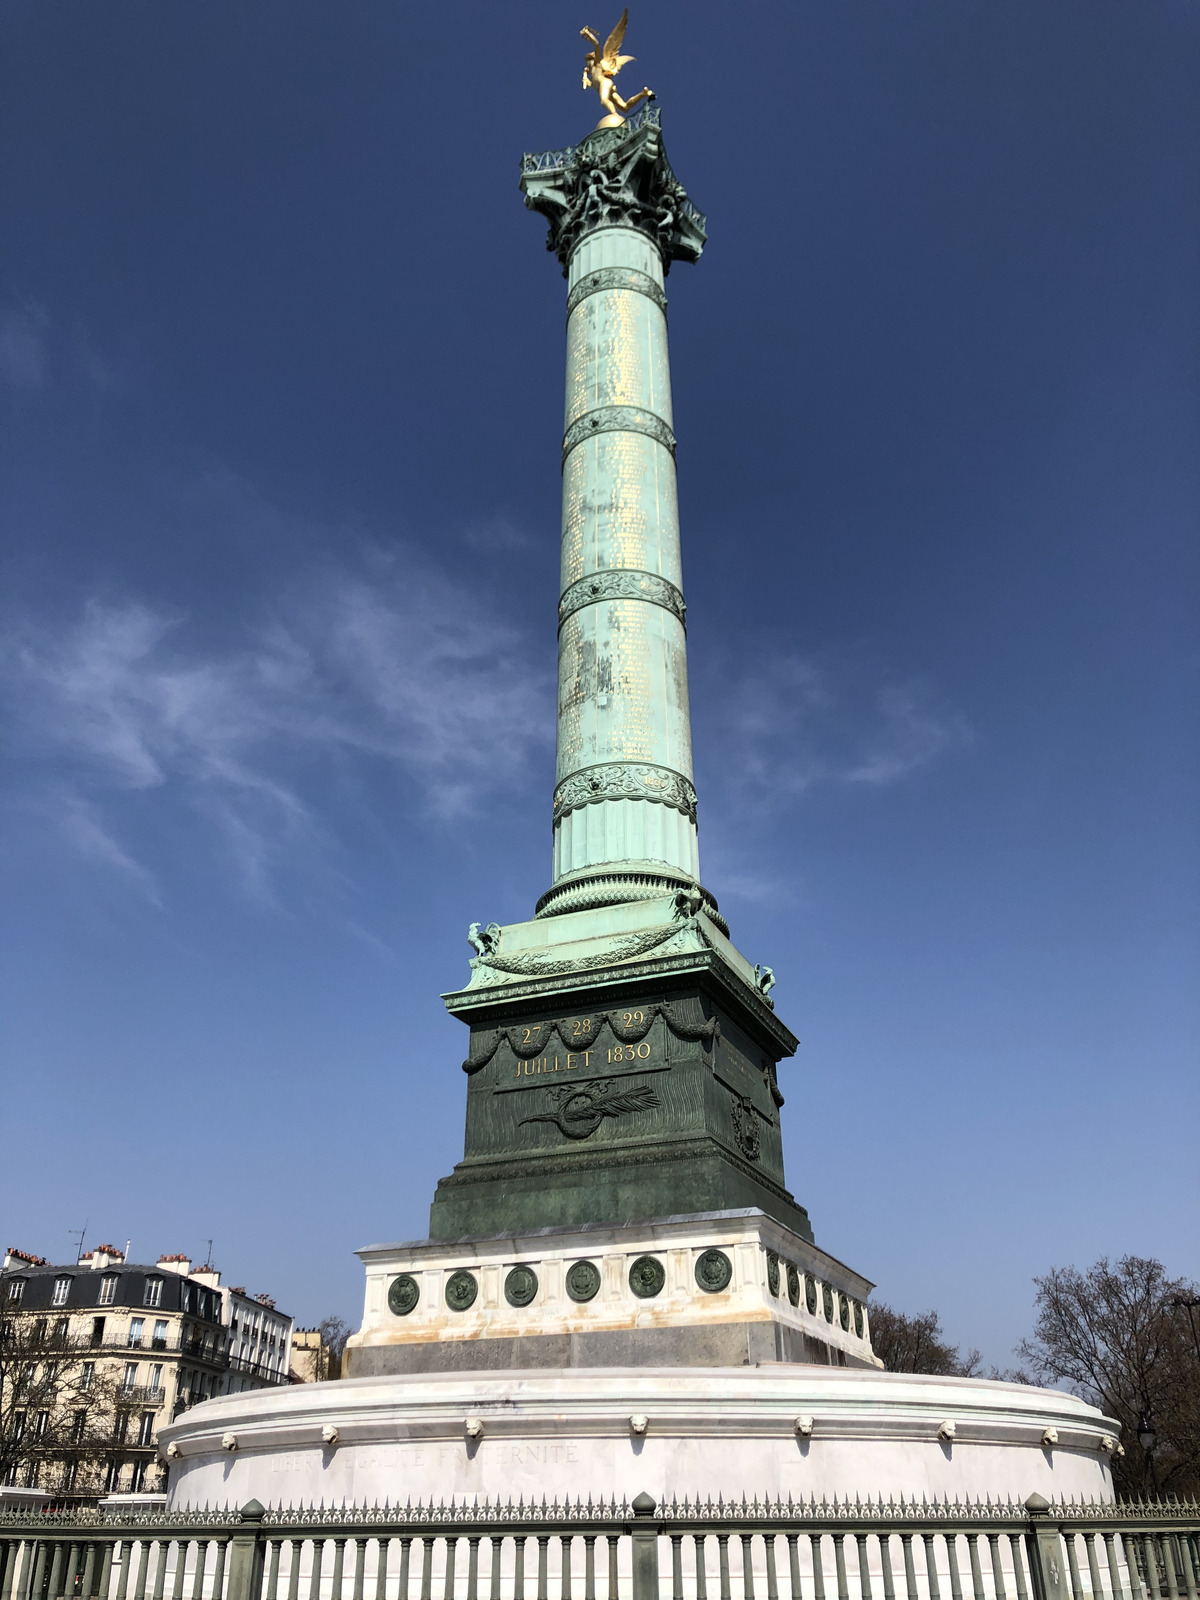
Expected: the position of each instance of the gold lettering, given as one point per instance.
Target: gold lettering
(643, 1050)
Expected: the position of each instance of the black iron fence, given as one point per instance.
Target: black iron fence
(685, 1550)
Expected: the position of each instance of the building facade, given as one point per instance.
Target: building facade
(98, 1355)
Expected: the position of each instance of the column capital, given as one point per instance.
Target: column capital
(616, 178)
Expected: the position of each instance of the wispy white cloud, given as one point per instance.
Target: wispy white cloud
(388, 663)
(788, 724)
(23, 345)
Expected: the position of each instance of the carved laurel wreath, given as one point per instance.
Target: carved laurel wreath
(625, 780)
(589, 1028)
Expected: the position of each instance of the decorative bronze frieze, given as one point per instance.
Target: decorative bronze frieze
(618, 419)
(621, 583)
(616, 278)
(625, 780)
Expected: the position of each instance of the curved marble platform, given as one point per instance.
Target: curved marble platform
(612, 1433)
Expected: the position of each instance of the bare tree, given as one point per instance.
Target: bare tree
(58, 1408)
(916, 1344)
(334, 1333)
(1118, 1336)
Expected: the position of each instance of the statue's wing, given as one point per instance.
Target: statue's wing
(613, 43)
(620, 62)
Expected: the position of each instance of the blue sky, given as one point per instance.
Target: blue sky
(281, 358)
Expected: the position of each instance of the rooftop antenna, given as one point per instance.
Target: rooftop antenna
(128, 1242)
(82, 1235)
(208, 1258)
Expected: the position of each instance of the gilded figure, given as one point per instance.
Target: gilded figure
(600, 69)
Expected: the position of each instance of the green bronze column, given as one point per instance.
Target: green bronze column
(624, 805)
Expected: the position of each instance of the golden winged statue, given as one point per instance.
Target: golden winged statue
(600, 69)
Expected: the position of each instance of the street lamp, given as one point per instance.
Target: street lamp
(1147, 1437)
(1189, 1305)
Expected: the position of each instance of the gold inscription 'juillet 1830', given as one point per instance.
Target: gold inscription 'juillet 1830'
(567, 1063)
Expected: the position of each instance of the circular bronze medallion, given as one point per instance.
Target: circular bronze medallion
(827, 1302)
(793, 1285)
(583, 1280)
(461, 1289)
(858, 1319)
(520, 1286)
(844, 1312)
(646, 1277)
(810, 1294)
(772, 1272)
(403, 1294)
(714, 1270)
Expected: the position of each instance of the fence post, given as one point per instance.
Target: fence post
(245, 1554)
(1044, 1545)
(645, 1549)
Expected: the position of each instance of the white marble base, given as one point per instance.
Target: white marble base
(577, 1433)
(838, 1323)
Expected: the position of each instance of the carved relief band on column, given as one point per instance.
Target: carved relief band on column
(616, 278)
(625, 781)
(621, 583)
(618, 419)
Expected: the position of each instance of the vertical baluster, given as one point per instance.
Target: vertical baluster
(839, 1561)
(700, 1543)
(1114, 1568)
(38, 1576)
(612, 1567)
(793, 1540)
(497, 1550)
(314, 1577)
(106, 1567)
(723, 1554)
(218, 1583)
(473, 1567)
(1018, 1566)
(201, 1562)
(885, 1567)
(676, 1566)
(952, 1567)
(818, 1565)
(519, 1570)
(931, 1567)
(1187, 1565)
(162, 1548)
(543, 1544)
(1073, 1564)
(864, 1570)
(56, 1567)
(89, 1573)
(383, 1546)
(339, 1559)
(976, 1574)
(72, 1572)
(589, 1567)
(124, 1557)
(997, 1571)
(566, 1545)
(276, 1547)
(910, 1571)
(12, 1585)
(295, 1560)
(1153, 1587)
(143, 1572)
(451, 1554)
(747, 1566)
(1129, 1545)
(405, 1555)
(1093, 1560)
(427, 1569)
(181, 1552)
(1169, 1565)
(769, 1561)
(360, 1567)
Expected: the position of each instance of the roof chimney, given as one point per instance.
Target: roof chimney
(180, 1264)
(104, 1255)
(14, 1258)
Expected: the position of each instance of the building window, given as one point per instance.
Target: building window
(39, 1331)
(9, 1480)
(62, 1288)
(136, 1324)
(97, 1330)
(153, 1294)
(112, 1476)
(160, 1333)
(61, 1329)
(108, 1292)
(18, 1425)
(15, 1290)
(121, 1427)
(87, 1375)
(77, 1425)
(130, 1375)
(43, 1422)
(70, 1472)
(146, 1431)
(187, 1297)
(137, 1477)
(156, 1376)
